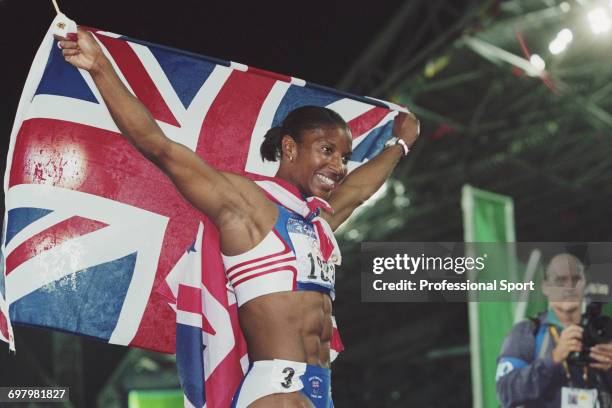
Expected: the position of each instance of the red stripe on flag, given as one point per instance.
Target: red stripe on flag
(139, 79)
(225, 378)
(103, 164)
(164, 290)
(189, 299)
(4, 327)
(336, 341)
(50, 238)
(362, 123)
(226, 131)
(222, 383)
(270, 74)
(108, 166)
(213, 271)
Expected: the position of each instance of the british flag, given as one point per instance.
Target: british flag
(6, 334)
(98, 242)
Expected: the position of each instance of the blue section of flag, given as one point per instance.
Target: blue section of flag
(19, 218)
(189, 345)
(187, 75)
(172, 50)
(63, 79)
(297, 96)
(88, 301)
(373, 143)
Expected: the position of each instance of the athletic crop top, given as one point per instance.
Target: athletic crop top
(299, 253)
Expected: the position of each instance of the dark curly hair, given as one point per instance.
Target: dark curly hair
(295, 124)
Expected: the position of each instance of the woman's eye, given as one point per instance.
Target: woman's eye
(327, 150)
(345, 160)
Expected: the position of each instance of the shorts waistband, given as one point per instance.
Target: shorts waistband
(289, 363)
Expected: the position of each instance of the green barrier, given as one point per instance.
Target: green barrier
(155, 399)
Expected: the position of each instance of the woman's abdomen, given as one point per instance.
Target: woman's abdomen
(294, 326)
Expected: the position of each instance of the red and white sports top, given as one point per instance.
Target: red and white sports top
(299, 253)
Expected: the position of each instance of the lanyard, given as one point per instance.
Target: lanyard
(585, 373)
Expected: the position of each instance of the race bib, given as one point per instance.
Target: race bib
(578, 398)
(311, 266)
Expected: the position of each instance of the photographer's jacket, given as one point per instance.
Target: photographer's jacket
(526, 374)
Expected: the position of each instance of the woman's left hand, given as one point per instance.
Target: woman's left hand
(406, 126)
(602, 354)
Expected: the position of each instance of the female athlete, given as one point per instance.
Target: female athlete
(279, 255)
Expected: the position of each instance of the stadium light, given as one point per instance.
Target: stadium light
(537, 62)
(556, 46)
(565, 6)
(559, 44)
(599, 20)
(565, 35)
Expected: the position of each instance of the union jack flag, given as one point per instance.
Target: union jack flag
(5, 328)
(97, 240)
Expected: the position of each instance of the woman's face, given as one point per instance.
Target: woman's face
(321, 160)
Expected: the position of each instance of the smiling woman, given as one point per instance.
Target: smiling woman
(277, 246)
(317, 143)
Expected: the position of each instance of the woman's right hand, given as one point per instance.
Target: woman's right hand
(84, 53)
(406, 126)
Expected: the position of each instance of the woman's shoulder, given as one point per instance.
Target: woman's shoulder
(244, 184)
(250, 223)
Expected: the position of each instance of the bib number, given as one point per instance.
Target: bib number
(321, 269)
(289, 378)
(311, 266)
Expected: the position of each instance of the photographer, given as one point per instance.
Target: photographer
(537, 366)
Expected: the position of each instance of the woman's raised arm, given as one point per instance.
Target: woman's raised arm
(223, 197)
(364, 181)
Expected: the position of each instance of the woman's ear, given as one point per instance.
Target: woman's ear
(289, 148)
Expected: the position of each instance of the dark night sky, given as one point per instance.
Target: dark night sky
(316, 40)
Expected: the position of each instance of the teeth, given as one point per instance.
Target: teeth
(326, 180)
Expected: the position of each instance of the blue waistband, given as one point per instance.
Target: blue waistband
(317, 386)
(316, 287)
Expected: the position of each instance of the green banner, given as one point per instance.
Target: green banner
(488, 217)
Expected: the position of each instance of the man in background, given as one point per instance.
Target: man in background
(533, 368)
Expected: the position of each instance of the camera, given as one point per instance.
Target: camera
(597, 329)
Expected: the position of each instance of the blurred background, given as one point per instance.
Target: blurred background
(514, 97)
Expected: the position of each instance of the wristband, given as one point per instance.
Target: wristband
(404, 146)
(394, 140)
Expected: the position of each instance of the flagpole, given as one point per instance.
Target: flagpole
(57, 10)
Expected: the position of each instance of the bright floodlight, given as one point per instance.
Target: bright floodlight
(565, 6)
(565, 35)
(557, 46)
(537, 62)
(599, 20)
